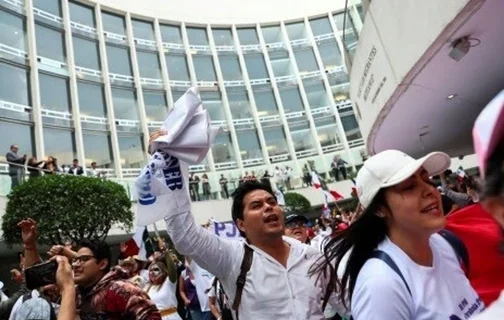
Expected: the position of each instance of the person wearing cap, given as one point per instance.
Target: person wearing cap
(295, 227)
(400, 267)
(488, 136)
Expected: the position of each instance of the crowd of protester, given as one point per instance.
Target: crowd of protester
(18, 166)
(423, 243)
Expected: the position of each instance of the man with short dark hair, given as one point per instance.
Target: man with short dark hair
(75, 169)
(16, 166)
(278, 285)
(106, 293)
(295, 227)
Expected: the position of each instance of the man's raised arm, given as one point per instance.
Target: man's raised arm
(168, 198)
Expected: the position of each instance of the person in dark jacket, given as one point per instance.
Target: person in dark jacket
(16, 166)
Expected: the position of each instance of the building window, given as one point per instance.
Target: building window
(82, 14)
(113, 23)
(281, 64)
(54, 93)
(51, 6)
(155, 105)
(86, 53)
(317, 95)
(265, 103)
(16, 88)
(177, 67)
(119, 60)
(327, 132)
(13, 30)
(248, 36)
(148, 64)
(256, 66)
(250, 148)
(275, 141)
(197, 36)
(321, 26)
(239, 104)
(222, 149)
(301, 136)
(296, 30)
(98, 148)
(91, 100)
(272, 34)
(18, 134)
(223, 37)
(291, 100)
(171, 34)
(204, 67)
(50, 43)
(143, 30)
(125, 104)
(212, 101)
(330, 54)
(230, 67)
(131, 150)
(60, 144)
(305, 60)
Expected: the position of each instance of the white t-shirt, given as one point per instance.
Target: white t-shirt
(440, 292)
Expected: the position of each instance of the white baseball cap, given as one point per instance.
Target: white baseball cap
(391, 167)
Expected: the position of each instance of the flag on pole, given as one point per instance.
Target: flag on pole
(325, 207)
(139, 244)
(315, 180)
(335, 195)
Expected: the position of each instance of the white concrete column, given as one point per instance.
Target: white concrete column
(164, 68)
(227, 109)
(339, 41)
(34, 81)
(138, 84)
(278, 99)
(108, 93)
(341, 130)
(250, 92)
(304, 98)
(74, 94)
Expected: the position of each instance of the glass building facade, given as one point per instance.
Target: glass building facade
(81, 82)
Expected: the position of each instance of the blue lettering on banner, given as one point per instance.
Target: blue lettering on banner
(477, 305)
(145, 197)
(173, 174)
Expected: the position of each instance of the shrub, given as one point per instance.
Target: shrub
(296, 203)
(67, 207)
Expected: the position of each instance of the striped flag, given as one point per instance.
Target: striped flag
(315, 180)
(140, 244)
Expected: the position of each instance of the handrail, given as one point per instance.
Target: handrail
(60, 171)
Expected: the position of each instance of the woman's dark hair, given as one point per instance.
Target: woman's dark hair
(362, 237)
(239, 195)
(100, 250)
(494, 175)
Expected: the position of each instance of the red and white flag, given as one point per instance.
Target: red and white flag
(137, 244)
(315, 180)
(336, 196)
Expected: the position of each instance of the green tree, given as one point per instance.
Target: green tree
(67, 207)
(296, 203)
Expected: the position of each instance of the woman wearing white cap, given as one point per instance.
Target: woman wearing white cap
(399, 267)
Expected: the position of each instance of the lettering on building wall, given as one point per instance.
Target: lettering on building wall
(380, 86)
(367, 67)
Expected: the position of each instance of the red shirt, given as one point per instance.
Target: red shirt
(483, 238)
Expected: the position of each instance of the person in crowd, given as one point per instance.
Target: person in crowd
(295, 227)
(266, 178)
(338, 166)
(400, 267)
(162, 286)
(95, 172)
(106, 291)
(275, 262)
(224, 186)
(194, 181)
(16, 165)
(218, 300)
(459, 198)
(51, 166)
(33, 167)
(486, 238)
(191, 292)
(307, 175)
(288, 177)
(206, 186)
(75, 169)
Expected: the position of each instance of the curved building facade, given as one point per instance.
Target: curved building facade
(91, 79)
